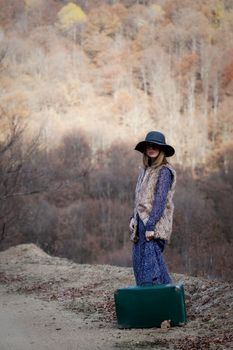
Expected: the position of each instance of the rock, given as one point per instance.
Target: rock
(165, 324)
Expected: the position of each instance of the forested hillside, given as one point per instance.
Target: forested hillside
(81, 83)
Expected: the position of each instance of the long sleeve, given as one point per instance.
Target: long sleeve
(159, 203)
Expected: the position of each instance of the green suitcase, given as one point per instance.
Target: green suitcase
(149, 306)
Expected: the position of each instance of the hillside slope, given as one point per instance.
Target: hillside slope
(81, 83)
(133, 65)
(76, 301)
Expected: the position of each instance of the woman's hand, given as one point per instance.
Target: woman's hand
(131, 224)
(149, 235)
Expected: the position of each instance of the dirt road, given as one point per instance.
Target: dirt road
(27, 323)
(52, 303)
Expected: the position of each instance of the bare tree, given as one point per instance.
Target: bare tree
(13, 158)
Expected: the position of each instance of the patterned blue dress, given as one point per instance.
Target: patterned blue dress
(148, 263)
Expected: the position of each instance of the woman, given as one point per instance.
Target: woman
(151, 223)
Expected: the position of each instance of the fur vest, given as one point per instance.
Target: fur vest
(144, 196)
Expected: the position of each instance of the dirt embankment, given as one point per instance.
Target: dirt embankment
(53, 303)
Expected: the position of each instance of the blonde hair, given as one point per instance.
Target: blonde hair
(154, 162)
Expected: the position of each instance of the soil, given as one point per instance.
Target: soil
(53, 303)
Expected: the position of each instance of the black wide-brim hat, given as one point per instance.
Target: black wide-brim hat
(157, 138)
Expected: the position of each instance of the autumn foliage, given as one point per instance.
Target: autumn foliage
(81, 83)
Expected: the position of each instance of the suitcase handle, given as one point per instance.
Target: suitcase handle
(146, 284)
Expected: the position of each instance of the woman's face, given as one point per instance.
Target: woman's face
(152, 150)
